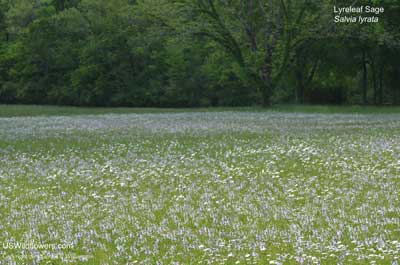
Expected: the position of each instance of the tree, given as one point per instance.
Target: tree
(259, 35)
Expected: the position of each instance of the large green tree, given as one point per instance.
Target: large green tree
(195, 53)
(260, 35)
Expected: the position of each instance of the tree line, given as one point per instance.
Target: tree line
(175, 53)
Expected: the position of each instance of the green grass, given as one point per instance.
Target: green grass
(41, 110)
(211, 187)
(332, 109)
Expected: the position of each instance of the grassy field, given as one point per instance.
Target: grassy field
(206, 187)
(39, 110)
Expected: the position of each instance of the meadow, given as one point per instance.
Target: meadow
(199, 187)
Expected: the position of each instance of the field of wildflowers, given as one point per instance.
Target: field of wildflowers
(200, 188)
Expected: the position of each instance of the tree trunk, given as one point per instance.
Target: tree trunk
(381, 85)
(397, 89)
(375, 82)
(299, 86)
(365, 77)
(266, 86)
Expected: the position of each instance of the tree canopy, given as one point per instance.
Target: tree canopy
(172, 53)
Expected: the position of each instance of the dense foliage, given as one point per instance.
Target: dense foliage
(195, 53)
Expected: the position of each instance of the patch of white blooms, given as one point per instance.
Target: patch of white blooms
(224, 187)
